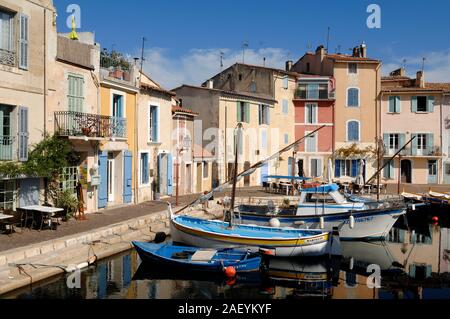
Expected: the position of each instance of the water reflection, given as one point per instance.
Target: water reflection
(414, 263)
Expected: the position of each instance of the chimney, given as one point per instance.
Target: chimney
(356, 52)
(363, 50)
(420, 79)
(320, 51)
(289, 65)
(210, 84)
(398, 72)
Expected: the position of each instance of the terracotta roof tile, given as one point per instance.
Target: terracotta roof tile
(158, 89)
(179, 109)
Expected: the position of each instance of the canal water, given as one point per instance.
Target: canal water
(413, 264)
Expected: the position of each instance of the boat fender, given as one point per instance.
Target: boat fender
(160, 237)
(322, 223)
(352, 263)
(230, 272)
(274, 222)
(352, 222)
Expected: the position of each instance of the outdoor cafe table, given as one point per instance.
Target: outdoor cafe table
(43, 210)
(4, 217)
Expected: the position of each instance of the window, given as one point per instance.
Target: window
(264, 115)
(285, 107)
(286, 82)
(69, 179)
(253, 87)
(432, 168)
(352, 68)
(394, 141)
(286, 138)
(353, 131)
(347, 168)
(8, 194)
(353, 97)
(315, 91)
(394, 104)
(243, 112)
(153, 124)
(388, 170)
(311, 113)
(7, 55)
(144, 173)
(421, 141)
(422, 104)
(76, 93)
(240, 77)
(205, 170)
(311, 143)
(447, 169)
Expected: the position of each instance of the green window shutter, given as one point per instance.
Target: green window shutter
(430, 104)
(430, 142)
(414, 144)
(414, 104)
(386, 170)
(238, 111)
(268, 114)
(247, 112)
(401, 140)
(23, 134)
(398, 104)
(392, 104)
(386, 141)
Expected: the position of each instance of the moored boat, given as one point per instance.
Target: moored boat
(197, 259)
(324, 207)
(279, 242)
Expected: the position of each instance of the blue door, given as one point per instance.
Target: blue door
(29, 192)
(127, 176)
(432, 172)
(103, 172)
(169, 175)
(264, 173)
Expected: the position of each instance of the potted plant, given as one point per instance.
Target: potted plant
(66, 200)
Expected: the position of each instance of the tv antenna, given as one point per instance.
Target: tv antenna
(423, 64)
(142, 53)
(328, 38)
(244, 46)
(221, 60)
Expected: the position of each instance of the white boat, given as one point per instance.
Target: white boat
(278, 242)
(324, 207)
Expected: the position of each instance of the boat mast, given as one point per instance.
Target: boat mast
(236, 156)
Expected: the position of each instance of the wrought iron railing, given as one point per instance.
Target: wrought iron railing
(6, 148)
(430, 151)
(91, 125)
(7, 57)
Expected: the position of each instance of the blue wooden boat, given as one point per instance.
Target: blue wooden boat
(198, 259)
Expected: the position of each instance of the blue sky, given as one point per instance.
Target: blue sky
(185, 37)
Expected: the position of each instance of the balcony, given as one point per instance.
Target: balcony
(90, 125)
(7, 57)
(6, 148)
(324, 95)
(434, 151)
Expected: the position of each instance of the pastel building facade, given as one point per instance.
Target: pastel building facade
(314, 107)
(412, 108)
(357, 88)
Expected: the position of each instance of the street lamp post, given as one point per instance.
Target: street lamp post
(186, 145)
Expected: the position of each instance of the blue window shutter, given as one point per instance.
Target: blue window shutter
(353, 97)
(127, 177)
(392, 104)
(430, 104)
(290, 166)
(430, 142)
(169, 175)
(156, 126)
(319, 167)
(337, 168)
(414, 104)
(414, 144)
(23, 42)
(398, 104)
(145, 169)
(354, 168)
(285, 107)
(353, 131)
(103, 172)
(386, 170)
(314, 114)
(23, 134)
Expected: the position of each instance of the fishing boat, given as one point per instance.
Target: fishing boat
(197, 259)
(324, 207)
(436, 198)
(278, 242)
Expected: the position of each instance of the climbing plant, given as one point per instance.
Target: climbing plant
(353, 151)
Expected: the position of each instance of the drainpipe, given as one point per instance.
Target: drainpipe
(45, 71)
(136, 141)
(441, 175)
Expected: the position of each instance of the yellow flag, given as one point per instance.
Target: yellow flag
(73, 35)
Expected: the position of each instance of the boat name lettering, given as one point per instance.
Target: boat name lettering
(361, 220)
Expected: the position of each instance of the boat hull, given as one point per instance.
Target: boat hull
(369, 225)
(318, 246)
(150, 257)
